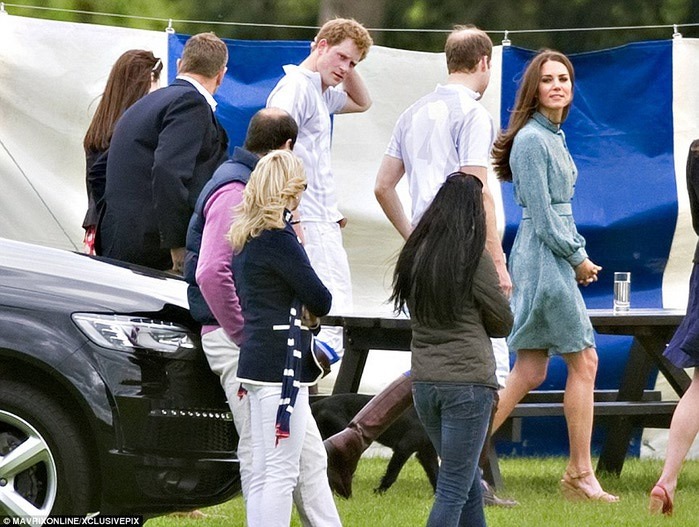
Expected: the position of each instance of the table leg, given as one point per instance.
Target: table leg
(491, 468)
(620, 428)
(351, 367)
(655, 346)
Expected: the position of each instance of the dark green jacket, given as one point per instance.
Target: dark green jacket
(461, 352)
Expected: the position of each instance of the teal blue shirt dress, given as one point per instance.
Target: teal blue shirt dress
(548, 307)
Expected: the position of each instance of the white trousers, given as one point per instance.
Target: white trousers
(312, 497)
(294, 469)
(502, 360)
(323, 244)
(222, 355)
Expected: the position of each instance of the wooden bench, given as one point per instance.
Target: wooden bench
(651, 411)
(544, 403)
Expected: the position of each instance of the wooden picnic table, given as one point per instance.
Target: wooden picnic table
(632, 406)
(652, 329)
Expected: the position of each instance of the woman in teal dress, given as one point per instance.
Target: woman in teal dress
(547, 262)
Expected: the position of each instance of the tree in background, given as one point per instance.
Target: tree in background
(495, 16)
(498, 15)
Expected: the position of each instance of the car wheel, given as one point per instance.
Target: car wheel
(44, 467)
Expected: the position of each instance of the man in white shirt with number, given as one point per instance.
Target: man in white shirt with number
(445, 131)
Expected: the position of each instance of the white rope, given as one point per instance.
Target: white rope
(37, 193)
(604, 28)
(505, 32)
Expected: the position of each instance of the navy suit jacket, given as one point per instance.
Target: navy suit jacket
(163, 151)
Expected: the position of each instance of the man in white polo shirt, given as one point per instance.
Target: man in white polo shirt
(310, 93)
(443, 132)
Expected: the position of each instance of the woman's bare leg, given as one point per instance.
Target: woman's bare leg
(578, 407)
(683, 431)
(527, 374)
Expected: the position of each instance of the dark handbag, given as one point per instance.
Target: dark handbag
(324, 355)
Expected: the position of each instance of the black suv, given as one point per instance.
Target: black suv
(106, 400)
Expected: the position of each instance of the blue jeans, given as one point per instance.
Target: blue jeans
(456, 417)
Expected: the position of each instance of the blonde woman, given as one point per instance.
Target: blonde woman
(276, 284)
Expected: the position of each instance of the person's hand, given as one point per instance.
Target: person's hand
(505, 280)
(177, 254)
(586, 272)
(308, 319)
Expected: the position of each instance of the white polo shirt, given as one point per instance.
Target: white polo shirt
(300, 93)
(438, 134)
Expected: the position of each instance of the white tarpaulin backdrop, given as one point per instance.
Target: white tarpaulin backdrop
(52, 73)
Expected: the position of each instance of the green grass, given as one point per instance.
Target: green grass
(532, 481)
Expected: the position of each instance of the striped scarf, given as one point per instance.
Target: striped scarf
(292, 372)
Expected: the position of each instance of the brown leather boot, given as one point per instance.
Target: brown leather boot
(345, 448)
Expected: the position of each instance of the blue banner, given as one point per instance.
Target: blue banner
(625, 202)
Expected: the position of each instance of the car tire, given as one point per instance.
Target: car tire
(44, 465)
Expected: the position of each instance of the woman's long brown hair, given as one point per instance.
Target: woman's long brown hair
(526, 103)
(129, 80)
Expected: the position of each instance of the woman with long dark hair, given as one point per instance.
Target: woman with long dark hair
(135, 73)
(547, 262)
(449, 284)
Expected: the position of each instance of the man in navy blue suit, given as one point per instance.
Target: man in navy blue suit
(164, 149)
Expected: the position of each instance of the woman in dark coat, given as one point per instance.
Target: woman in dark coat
(135, 73)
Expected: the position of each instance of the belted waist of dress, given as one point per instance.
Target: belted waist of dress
(562, 209)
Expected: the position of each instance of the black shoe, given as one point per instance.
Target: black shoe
(491, 500)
